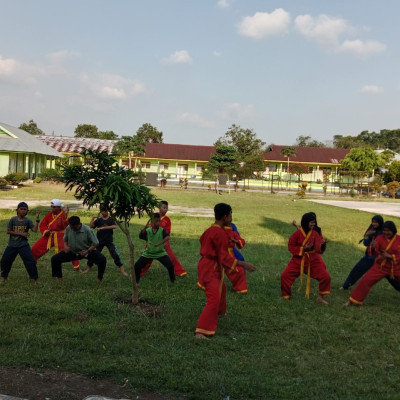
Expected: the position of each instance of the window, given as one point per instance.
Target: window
(183, 167)
(271, 167)
(145, 165)
(200, 168)
(164, 166)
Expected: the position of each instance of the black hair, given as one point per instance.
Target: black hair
(391, 226)
(103, 207)
(74, 220)
(156, 215)
(306, 219)
(221, 210)
(378, 231)
(163, 202)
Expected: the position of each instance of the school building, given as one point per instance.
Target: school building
(23, 152)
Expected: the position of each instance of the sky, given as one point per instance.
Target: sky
(192, 68)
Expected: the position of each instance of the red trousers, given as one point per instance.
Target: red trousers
(237, 277)
(178, 269)
(317, 269)
(216, 305)
(373, 275)
(40, 247)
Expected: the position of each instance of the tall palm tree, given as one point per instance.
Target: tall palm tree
(288, 151)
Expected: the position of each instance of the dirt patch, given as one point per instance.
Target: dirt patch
(53, 384)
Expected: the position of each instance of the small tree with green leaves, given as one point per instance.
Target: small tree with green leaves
(100, 180)
(392, 188)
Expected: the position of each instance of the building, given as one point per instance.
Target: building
(23, 152)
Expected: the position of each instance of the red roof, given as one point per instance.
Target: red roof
(320, 155)
(178, 151)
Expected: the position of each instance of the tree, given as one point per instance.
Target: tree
(223, 160)
(345, 142)
(248, 148)
(288, 151)
(393, 172)
(147, 133)
(299, 170)
(308, 141)
(108, 135)
(100, 180)
(87, 131)
(363, 160)
(31, 127)
(129, 146)
(392, 188)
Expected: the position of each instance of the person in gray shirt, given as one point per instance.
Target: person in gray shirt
(79, 242)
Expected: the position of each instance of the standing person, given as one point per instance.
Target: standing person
(367, 261)
(18, 229)
(215, 259)
(387, 264)
(155, 237)
(105, 225)
(305, 246)
(79, 242)
(53, 228)
(237, 276)
(165, 223)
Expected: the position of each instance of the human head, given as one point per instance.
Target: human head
(56, 205)
(22, 208)
(163, 207)
(389, 229)
(156, 220)
(103, 210)
(75, 223)
(223, 212)
(308, 221)
(378, 220)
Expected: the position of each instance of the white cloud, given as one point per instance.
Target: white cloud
(179, 57)
(195, 119)
(324, 30)
(112, 87)
(16, 72)
(217, 53)
(59, 56)
(362, 48)
(224, 3)
(264, 25)
(371, 89)
(236, 110)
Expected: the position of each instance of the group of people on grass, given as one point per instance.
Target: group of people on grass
(219, 244)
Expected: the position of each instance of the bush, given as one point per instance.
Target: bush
(352, 193)
(16, 178)
(50, 174)
(392, 188)
(3, 182)
(38, 179)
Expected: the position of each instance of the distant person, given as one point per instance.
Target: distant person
(53, 228)
(79, 242)
(18, 228)
(105, 225)
(306, 246)
(387, 264)
(165, 223)
(155, 238)
(215, 259)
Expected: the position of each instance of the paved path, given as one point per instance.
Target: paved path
(384, 208)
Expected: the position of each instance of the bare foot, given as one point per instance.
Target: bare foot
(99, 280)
(78, 270)
(59, 280)
(3, 280)
(123, 272)
(87, 270)
(320, 299)
(201, 336)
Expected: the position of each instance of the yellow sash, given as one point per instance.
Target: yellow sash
(53, 235)
(306, 254)
(383, 263)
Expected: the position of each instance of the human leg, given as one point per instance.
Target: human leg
(9, 255)
(166, 261)
(358, 271)
(116, 256)
(288, 276)
(26, 255)
(139, 265)
(58, 259)
(178, 269)
(96, 257)
(238, 280)
(39, 248)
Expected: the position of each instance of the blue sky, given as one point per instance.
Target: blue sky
(192, 68)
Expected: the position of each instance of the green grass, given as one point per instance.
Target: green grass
(265, 348)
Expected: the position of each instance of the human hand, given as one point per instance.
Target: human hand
(248, 266)
(66, 209)
(37, 214)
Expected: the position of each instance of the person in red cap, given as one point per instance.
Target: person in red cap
(53, 228)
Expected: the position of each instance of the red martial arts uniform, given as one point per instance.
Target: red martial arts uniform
(309, 262)
(214, 260)
(56, 224)
(237, 276)
(381, 268)
(165, 223)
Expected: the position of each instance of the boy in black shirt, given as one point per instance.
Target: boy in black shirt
(105, 225)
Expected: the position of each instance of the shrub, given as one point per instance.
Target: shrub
(352, 193)
(38, 179)
(16, 178)
(3, 182)
(392, 188)
(50, 174)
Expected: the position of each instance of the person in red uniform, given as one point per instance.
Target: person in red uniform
(215, 259)
(237, 276)
(305, 246)
(387, 263)
(52, 228)
(166, 225)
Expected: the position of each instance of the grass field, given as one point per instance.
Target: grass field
(265, 348)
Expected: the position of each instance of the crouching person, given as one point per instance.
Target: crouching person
(79, 242)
